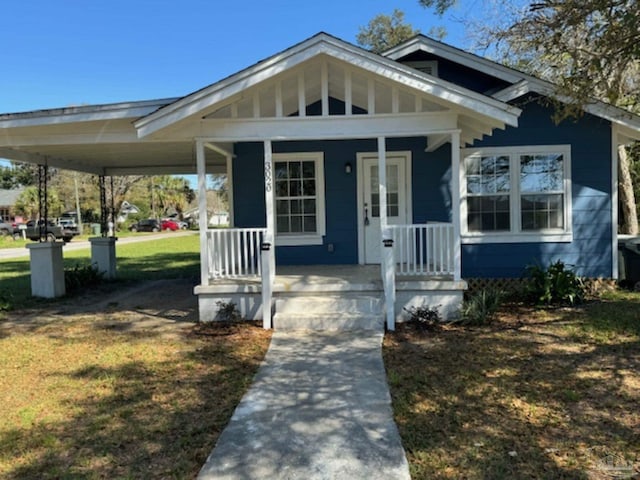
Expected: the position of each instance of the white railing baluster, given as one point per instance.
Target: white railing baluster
(424, 249)
(234, 252)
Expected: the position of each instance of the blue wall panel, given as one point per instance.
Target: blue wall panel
(591, 250)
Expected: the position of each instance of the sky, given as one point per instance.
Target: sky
(76, 52)
(72, 52)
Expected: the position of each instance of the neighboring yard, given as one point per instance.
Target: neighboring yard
(538, 394)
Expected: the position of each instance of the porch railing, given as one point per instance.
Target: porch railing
(423, 249)
(234, 252)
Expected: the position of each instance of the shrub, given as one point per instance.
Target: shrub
(555, 285)
(80, 278)
(227, 311)
(6, 301)
(424, 317)
(480, 307)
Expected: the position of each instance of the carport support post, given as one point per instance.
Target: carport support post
(103, 255)
(47, 269)
(103, 248)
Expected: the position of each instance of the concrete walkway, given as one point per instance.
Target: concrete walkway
(319, 408)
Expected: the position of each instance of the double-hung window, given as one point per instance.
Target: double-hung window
(299, 198)
(517, 194)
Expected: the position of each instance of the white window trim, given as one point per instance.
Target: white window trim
(304, 239)
(516, 235)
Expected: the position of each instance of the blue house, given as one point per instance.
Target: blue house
(363, 184)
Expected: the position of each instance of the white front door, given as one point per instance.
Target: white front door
(369, 201)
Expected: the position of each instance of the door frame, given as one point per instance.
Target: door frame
(360, 156)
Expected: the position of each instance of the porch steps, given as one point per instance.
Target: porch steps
(330, 311)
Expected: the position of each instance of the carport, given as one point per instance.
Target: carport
(101, 140)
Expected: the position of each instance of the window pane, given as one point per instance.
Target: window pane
(295, 170)
(392, 178)
(296, 206)
(295, 188)
(488, 214)
(308, 169)
(296, 224)
(309, 206)
(472, 165)
(282, 189)
(282, 207)
(280, 170)
(309, 223)
(282, 224)
(542, 211)
(309, 188)
(392, 210)
(541, 173)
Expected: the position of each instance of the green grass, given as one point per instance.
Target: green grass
(81, 399)
(170, 257)
(548, 393)
(87, 394)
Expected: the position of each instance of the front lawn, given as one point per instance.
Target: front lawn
(115, 392)
(539, 394)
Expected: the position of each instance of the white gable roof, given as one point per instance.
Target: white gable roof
(203, 102)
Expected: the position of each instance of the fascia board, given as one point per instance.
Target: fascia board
(603, 110)
(116, 111)
(324, 44)
(455, 55)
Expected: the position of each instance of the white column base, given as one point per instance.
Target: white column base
(103, 255)
(47, 269)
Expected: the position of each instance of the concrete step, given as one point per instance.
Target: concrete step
(328, 321)
(330, 304)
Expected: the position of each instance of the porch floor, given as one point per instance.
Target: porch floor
(326, 278)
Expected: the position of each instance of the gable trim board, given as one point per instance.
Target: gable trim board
(521, 83)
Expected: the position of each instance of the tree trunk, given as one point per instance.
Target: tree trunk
(628, 210)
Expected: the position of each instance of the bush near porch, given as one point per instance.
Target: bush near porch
(540, 393)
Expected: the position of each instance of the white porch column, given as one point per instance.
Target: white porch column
(456, 204)
(387, 264)
(203, 219)
(267, 250)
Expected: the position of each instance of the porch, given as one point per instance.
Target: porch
(331, 296)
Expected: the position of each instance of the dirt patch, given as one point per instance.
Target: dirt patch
(166, 307)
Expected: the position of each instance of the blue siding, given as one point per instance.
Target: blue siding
(340, 198)
(459, 74)
(590, 252)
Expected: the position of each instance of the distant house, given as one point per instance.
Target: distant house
(437, 165)
(8, 200)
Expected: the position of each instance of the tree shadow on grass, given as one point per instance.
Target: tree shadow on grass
(153, 418)
(510, 403)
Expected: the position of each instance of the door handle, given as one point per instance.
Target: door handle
(366, 215)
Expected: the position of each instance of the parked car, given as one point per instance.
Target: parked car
(6, 228)
(148, 225)
(170, 225)
(183, 225)
(52, 232)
